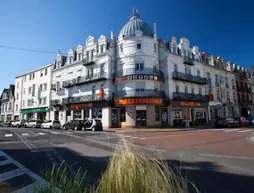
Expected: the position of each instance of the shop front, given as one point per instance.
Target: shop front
(197, 110)
(35, 113)
(138, 112)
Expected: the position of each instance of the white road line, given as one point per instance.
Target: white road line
(5, 162)
(218, 129)
(225, 156)
(11, 174)
(134, 137)
(53, 132)
(24, 134)
(34, 187)
(8, 135)
(68, 132)
(41, 134)
(229, 130)
(243, 131)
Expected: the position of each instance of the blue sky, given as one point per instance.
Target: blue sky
(221, 27)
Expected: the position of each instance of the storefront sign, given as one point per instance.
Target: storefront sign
(137, 101)
(34, 110)
(81, 106)
(190, 104)
(139, 77)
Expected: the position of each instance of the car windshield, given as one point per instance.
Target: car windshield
(57, 122)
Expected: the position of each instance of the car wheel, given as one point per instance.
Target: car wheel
(75, 128)
(42, 127)
(93, 129)
(17, 126)
(64, 128)
(33, 126)
(229, 125)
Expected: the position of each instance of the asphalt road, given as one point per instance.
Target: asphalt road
(215, 160)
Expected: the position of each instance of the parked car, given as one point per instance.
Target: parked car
(6, 124)
(227, 122)
(244, 121)
(33, 124)
(74, 124)
(93, 125)
(18, 123)
(51, 124)
(251, 120)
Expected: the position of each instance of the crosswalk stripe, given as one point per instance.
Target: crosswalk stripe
(218, 129)
(41, 134)
(230, 130)
(24, 134)
(245, 131)
(68, 132)
(8, 135)
(11, 174)
(53, 132)
(5, 162)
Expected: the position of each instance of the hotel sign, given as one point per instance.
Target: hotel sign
(140, 77)
(139, 101)
(190, 104)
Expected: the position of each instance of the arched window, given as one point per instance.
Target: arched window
(175, 68)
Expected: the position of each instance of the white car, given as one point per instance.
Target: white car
(51, 124)
(18, 123)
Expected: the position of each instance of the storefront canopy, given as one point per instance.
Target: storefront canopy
(34, 110)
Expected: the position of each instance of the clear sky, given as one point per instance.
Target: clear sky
(221, 27)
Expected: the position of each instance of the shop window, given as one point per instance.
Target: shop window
(157, 114)
(175, 68)
(192, 91)
(77, 114)
(86, 114)
(138, 46)
(199, 91)
(198, 73)
(139, 66)
(122, 115)
(177, 88)
(186, 89)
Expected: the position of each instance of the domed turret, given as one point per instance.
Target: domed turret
(134, 24)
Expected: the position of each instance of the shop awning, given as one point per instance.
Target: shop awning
(34, 110)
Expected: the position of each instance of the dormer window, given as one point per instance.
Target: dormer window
(101, 48)
(121, 48)
(139, 46)
(155, 48)
(87, 56)
(92, 55)
(79, 57)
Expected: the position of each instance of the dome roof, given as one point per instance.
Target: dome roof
(135, 23)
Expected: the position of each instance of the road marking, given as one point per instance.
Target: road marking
(229, 130)
(41, 134)
(218, 129)
(24, 134)
(27, 143)
(8, 135)
(11, 174)
(225, 156)
(245, 131)
(5, 162)
(34, 187)
(53, 132)
(142, 138)
(68, 132)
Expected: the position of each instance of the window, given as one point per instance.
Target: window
(33, 75)
(92, 54)
(101, 47)
(90, 72)
(228, 99)
(79, 57)
(17, 96)
(93, 90)
(40, 101)
(155, 48)
(138, 46)
(121, 48)
(17, 107)
(216, 80)
(87, 56)
(234, 96)
(46, 72)
(24, 91)
(192, 91)
(44, 101)
(157, 114)
(177, 88)
(139, 66)
(23, 103)
(102, 68)
(218, 94)
(77, 114)
(198, 73)
(187, 70)
(175, 68)
(25, 78)
(200, 91)
(30, 76)
(186, 89)
(122, 115)
(29, 90)
(18, 85)
(45, 86)
(41, 73)
(233, 84)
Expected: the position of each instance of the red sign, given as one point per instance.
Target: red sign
(81, 106)
(139, 101)
(190, 104)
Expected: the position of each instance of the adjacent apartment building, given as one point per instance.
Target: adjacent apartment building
(7, 103)
(33, 94)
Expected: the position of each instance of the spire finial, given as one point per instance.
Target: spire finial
(135, 14)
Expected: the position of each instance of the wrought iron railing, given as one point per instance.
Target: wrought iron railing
(55, 102)
(134, 71)
(85, 98)
(188, 77)
(188, 60)
(190, 97)
(140, 93)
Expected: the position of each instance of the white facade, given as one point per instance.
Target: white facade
(7, 104)
(33, 94)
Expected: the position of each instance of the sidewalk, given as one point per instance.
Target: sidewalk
(171, 129)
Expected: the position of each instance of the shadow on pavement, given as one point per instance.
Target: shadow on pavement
(206, 176)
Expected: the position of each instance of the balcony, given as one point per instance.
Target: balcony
(142, 74)
(53, 86)
(246, 101)
(84, 99)
(60, 92)
(55, 102)
(190, 97)
(189, 78)
(87, 62)
(243, 75)
(138, 93)
(217, 83)
(4, 99)
(85, 79)
(188, 60)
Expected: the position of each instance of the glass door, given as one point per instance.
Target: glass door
(141, 118)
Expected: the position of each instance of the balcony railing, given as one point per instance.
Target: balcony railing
(60, 92)
(53, 86)
(87, 62)
(84, 98)
(190, 97)
(246, 101)
(85, 79)
(189, 78)
(188, 60)
(243, 75)
(55, 102)
(140, 93)
(134, 71)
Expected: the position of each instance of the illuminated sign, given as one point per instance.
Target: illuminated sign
(191, 104)
(81, 106)
(140, 77)
(137, 101)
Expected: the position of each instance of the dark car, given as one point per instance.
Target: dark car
(227, 122)
(93, 125)
(251, 120)
(74, 124)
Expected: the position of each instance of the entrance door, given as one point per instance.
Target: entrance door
(164, 117)
(141, 118)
